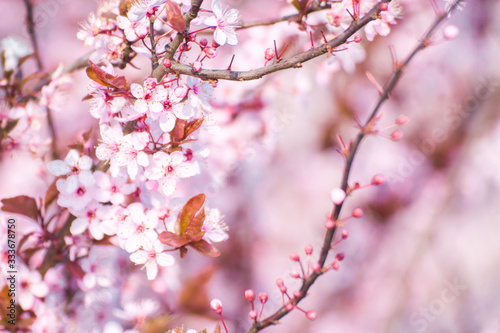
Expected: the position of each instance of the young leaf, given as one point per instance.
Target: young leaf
(171, 239)
(100, 76)
(51, 194)
(192, 126)
(194, 227)
(189, 210)
(205, 248)
(22, 205)
(174, 16)
(217, 329)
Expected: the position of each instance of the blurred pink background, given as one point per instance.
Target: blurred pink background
(423, 258)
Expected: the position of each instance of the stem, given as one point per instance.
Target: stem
(293, 62)
(391, 83)
(154, 56)
(31, 31)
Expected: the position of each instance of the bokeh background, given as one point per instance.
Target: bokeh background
(424, 257)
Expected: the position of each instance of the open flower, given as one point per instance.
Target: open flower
(151, 257)
(224, 22)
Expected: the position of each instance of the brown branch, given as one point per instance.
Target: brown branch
(391, 83)
(36, 53)
(30, 23)
(154, 56)
(172, 47)
(293, 62)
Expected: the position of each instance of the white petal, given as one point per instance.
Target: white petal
(217, 8)
(78, 226)
(164, 259)
(152, 270)
(85, 162)
(167, 122)
(220, 36)
(58, 168)
(231, 16)
(139, 257)
(211, 21)
(72, 157)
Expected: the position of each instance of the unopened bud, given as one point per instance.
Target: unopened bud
(402, 119)
(337, 195)
(450, 32)
(316, 267)
(309, 249)
(311, 315)
(340, 256)
(263, 297)
(384, 6)
(216, 305)
(252, 314)
(167, 62)
(378, 180)
(345, 233)
(269, 54)
(357, 212)
(203, 41)
(329, 224)
(396, 135)
(294, 256)
(357, 39)
(197, 65)
(250, 295)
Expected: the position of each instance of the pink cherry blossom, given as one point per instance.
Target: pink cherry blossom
(215, 229)
(31, 285)
(139, 9)
(112, 189)
(150, 97)
(137, 229)
(224, 21)
(151, 256)
(167, 169)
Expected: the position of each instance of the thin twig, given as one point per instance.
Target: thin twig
(36, 53)
(154, 56)
(293, 62)
(31, 31)
(391, 83)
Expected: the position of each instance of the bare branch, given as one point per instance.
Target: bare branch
(293, 62)
(389, 86)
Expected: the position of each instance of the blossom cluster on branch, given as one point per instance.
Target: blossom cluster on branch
(129, 194)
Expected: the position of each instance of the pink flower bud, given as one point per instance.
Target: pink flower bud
(263, 297)
(216, 305)
(295, 274)
(335, 265)
(337, 195)
(181, 92)
(340, 256)
(309, 249)
(345, 233)
(358, 212)
(250, 295)
(329, 224)
(197, 65)
(140, 30)
(283, 289)
(396, 135)
(384, 7)
(214, 44)
(402, 119)
(378, 180)
(296, 294)
(203, 41)
(252, 314)
(316, 267)
(279, 282)
(167, 63)
(211, 52)
(294, 256)
(269, 54)
(289, 307)
(357, 39)
(311, 315)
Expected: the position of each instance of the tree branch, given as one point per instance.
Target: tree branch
(293, 62)
(391, 83)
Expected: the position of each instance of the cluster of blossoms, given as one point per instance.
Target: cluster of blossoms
(24, 109)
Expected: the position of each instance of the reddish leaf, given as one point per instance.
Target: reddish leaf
(102, 77)
(174, 16)
(177, 134)
(194, 226)
(191, 127)
(189, 210)
(75, 269)
(195, 237)
(22, 205)
(217, 329)
(51, 194)
(171, 239)
(205, 248)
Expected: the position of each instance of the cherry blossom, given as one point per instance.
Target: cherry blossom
(112, 189)
(224, 21)
(381, 26)
(90, 218)
(140, 8)
(137, 229)
(77, 168)
(30, 285)
(133, 30)
(215, 229)
(149, 97)
(151, 256)
(76, 194)
(167, 169)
